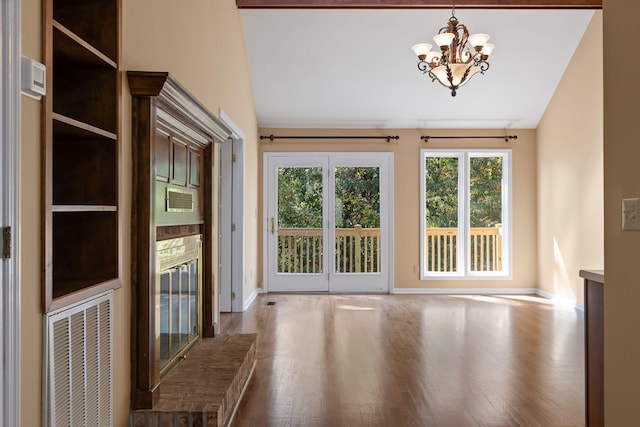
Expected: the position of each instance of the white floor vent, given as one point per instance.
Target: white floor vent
(78, 366)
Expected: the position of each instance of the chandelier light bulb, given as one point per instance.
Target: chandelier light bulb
(479, 40)
(433, 56)
(421, 50)
(487, 49)
(443, 40)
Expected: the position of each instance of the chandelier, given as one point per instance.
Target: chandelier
(455, 63)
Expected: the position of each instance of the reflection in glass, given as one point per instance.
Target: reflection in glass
(193, 301)
(184, 305)
(178, 309)
(357, 219)
(300, 220)
(164, 317)
(175, 311)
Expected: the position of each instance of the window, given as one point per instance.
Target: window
(466, 213)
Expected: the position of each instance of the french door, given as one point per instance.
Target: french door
(328, 219)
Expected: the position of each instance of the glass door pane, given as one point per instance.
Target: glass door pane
(357, 219)
(441, 214)
(300, 224)
(485, 213)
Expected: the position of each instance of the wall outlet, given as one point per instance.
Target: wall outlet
(631, 214)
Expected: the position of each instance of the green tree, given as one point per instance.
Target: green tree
(357, 197)
(485, 191)
(300, 197)
(441, 192)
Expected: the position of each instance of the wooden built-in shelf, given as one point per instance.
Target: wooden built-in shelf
(83, 208)
(96, 22)
(71, 48)
(74, 127)
(81, 153)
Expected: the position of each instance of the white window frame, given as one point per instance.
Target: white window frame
(464, 263)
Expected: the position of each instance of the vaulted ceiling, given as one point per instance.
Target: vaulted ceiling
(338, 68)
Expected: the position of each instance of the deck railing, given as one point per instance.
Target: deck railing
(485, 253)
(357, 249)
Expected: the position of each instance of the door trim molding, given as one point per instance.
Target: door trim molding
(237, 216)
(10, 16)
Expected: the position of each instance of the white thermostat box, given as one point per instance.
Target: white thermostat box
(34, 78)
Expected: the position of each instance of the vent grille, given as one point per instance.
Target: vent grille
(179, 201)
(79, 364)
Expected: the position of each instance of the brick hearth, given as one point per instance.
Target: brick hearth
(204, 389)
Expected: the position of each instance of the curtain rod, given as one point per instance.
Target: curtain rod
(507, 138)
(272, 137)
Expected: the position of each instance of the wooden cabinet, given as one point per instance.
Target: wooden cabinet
(80, 150)
(594, 346)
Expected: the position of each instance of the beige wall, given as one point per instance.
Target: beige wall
(407, 195)
(157, 36)
(570, 174)
(621, 248)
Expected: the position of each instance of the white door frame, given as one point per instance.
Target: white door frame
(225, 227)
(336, 282)
(279, 282)
(10, 15)
(237, 216)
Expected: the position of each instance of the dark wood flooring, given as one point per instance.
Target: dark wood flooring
(412, 360)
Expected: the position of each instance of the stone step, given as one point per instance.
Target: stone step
(204, 389)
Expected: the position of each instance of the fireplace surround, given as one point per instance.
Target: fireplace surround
(173, 225)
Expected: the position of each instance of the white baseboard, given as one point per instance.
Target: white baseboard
(251, 299)
(544, 294)
(466, 291)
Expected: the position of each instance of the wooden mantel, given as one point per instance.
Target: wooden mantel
(173, 138)
(418, 4)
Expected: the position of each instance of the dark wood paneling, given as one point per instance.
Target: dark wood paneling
(194, 168)
(175, 231)
(144, 366)
(417, 4)
(208, 306)
(179, 173)
(163, 156)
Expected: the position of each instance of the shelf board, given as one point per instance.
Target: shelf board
(75, 49)
(71, 292)
(83, 208)
(84, 126)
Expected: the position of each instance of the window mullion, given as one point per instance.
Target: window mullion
(463, 214)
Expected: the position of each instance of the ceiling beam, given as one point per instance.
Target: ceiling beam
(419, 4)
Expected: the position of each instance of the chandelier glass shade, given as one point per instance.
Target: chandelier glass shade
(458, 55)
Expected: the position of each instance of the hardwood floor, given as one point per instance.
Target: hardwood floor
(412, 360)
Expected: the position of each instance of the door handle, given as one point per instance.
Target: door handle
(272, 225)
